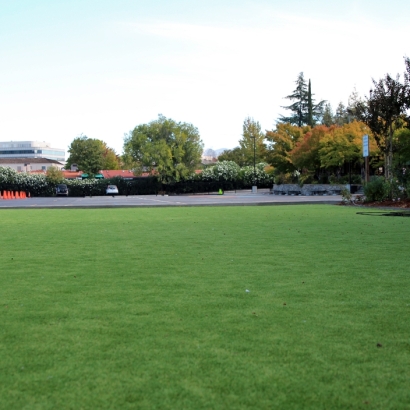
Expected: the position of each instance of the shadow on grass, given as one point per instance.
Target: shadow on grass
(403, 213)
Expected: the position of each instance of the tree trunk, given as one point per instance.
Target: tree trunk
(389, 162)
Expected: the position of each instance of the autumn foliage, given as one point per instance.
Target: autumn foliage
(318, 149)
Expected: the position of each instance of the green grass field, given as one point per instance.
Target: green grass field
(148, 308)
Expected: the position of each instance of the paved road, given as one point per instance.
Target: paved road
(229, 198)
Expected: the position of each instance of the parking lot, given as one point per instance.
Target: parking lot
(263, 197)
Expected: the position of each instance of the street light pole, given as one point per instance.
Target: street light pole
(254, 164)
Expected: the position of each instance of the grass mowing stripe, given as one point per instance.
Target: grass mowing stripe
(147, 308)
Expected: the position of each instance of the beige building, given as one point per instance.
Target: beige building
(30, 164)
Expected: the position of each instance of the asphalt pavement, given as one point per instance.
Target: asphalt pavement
(239, 198)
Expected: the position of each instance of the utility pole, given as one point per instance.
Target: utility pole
(254, 187)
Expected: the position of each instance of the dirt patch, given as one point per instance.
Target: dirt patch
(402, 204)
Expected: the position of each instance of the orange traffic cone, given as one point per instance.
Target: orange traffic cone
(7, 195)
(17, 195)
(23, 195)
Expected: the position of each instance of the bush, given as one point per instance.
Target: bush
(226, 171)
(287, 178)
(263, 178)
(346, 195)
(377, 189)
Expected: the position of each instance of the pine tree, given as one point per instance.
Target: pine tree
(310, 106)
(298, 108)
(305, 111)
(341, 116)
(327, 117)
(352, 102)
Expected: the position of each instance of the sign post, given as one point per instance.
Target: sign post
(366, 156)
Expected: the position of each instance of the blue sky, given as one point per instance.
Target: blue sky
(102, 67)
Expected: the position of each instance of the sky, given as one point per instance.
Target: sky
(101, 67)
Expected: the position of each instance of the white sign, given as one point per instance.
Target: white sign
(365, 145)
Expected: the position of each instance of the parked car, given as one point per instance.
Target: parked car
(62, 189)
(112, 190)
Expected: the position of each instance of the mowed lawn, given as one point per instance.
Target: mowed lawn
(287, 307)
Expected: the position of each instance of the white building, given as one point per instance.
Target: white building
(31, 149)
(30, 164)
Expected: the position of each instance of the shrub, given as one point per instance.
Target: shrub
(54, 176)
(227, 171)
(346, 195)
(248, 174)
(377, 189)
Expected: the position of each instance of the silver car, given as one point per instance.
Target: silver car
(112, 190)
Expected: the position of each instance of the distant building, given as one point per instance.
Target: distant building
(30, 164)
(31, 149)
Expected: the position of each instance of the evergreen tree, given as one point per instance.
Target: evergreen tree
(341, 116)
(304, 110)
(327, 118)
(298, 108)
(310, 106)
(352, 102)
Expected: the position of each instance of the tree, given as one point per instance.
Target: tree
(252, 140)
(281, 142)
(352, 102)
(305, 155)
(236, 155)
(343, 145)
(341, 116)
(407, 90)
(401, 139)
(87, 153)
(170, 149)
(309, 106)
(54, 175)
(110, 158)
(328, 118)
(305, 111)
(383, 111)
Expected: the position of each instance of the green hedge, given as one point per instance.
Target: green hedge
(37, 185)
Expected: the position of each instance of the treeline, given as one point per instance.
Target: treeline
(311, 143)
(314, 144)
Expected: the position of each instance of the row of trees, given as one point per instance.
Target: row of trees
(311, 141)
(315, 142)
(172, 150)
